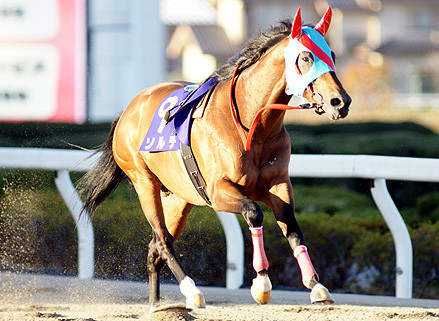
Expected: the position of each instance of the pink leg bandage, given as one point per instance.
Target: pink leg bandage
(306, 267)
(260, 261)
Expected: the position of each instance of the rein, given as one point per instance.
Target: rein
(247, 139)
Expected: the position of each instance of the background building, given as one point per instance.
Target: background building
(126, 42)
(388, 50)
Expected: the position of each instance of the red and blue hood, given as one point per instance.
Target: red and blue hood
(311, 40)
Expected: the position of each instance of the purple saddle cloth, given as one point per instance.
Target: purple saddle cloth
(163, 136)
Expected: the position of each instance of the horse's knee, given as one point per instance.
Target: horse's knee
(161, 246)
(165, 247)
(154, 261)
(252, 213)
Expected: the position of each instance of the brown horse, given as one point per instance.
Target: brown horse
(235, 177)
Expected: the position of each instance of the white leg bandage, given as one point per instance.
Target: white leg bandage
(194, 297)
(188, 288)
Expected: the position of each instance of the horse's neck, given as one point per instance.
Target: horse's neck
(260, 85)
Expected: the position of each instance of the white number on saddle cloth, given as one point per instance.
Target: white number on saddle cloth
(168, 104)
(149, 143)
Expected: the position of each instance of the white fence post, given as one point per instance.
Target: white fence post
(235, 250)
(401, 237)
(83, 224)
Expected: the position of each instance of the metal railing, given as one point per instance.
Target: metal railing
(376, 168)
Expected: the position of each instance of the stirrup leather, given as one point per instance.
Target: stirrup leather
(194, 172)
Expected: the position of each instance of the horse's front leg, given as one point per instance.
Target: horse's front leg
(231, 200)
(281, 199)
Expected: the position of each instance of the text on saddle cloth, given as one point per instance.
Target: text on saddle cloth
(166, 136)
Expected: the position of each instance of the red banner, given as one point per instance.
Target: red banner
(43, 60)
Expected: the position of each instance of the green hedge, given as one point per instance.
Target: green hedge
(53, 135)
(392, 139)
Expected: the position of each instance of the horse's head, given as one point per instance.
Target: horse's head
(310, 68)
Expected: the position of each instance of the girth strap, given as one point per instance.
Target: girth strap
(194, 172)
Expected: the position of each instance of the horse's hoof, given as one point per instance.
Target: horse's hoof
(194, 297)
(261, 288)
(320, 294)
(195, 301)
(259, 296)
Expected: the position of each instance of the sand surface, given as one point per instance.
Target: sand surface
(37, 297)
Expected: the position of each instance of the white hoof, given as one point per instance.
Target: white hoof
(261, 289)
(195, 301)
(194, 297)
(320, 294)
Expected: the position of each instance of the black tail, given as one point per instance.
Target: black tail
(103, 178)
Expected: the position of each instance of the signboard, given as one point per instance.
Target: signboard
(43, 60)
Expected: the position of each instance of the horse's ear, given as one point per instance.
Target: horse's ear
(324, 23)
(296, 27)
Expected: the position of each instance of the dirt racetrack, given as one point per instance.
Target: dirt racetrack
(36, 297)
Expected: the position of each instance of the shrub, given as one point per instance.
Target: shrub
(426, 260)
(391, 139)
(427, 206)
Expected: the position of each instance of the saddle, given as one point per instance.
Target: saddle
(171, 125)
(172, 121)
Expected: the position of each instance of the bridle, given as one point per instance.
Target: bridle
(247, 138)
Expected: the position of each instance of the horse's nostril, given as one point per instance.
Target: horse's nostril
(344, 112)
(336, 102)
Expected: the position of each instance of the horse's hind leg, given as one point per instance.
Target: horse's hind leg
(148, 188)
(176, 212)
(162, 246)
(154, 264)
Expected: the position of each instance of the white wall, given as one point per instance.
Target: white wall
(394, 21)
(126, 54)
(260, 16)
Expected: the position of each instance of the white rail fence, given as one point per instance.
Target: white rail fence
(376, 168)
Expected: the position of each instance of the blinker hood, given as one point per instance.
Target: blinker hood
(310, 40)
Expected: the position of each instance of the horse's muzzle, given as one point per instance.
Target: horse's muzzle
(337, 105)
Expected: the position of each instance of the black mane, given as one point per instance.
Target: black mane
(253, 49)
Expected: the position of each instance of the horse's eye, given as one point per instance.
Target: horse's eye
(305, 59)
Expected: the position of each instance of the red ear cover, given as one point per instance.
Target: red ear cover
(324, 23)
(296, 28)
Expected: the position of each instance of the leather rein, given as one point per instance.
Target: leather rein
(247, 138)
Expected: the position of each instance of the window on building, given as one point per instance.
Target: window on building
(425, 19)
